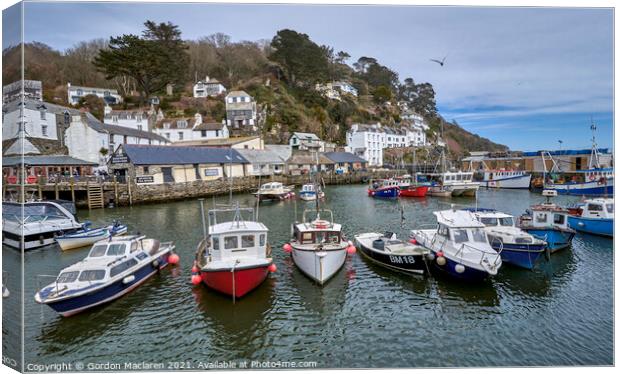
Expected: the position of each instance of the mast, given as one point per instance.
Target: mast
(230, 175)
(594, 161)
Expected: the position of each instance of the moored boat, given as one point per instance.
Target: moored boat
(392, 253)
(318, 247)
(112, 268)
(40, 223)
(309, 192)
(549, 222)
(439, 191)
(88, 236)
(234, 257)
(517, 247)
(274, 191)
(460, 246)
(509, 179)
(383, 188)
(597, 217)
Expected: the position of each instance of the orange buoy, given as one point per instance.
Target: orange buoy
(173, 258)
(272, 268)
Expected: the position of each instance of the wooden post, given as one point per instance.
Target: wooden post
(88, 193)
(73, 189)
(115, 191)
(40, 188)
(56, 189)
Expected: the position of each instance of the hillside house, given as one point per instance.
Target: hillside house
(240, 110)
(137, 119)
(236, 142)
(192, 128)
(368, 142)
(38, 119)
(75, 93)
(306, 141)
(262, 162)
(208, 87)
(346, 162)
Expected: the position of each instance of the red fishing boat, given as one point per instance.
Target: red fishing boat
(414, 191)
(234, 257)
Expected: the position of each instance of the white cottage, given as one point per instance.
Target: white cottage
(76, 93)
(208, 87)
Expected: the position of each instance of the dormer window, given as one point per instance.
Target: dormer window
(166, 125)
(182, 124)
(42, 113)
(139, 118)
(115, 119)
(67, 118)
(79, 92)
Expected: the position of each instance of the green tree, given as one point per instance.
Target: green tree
(153, 60)
(303, 60)
(382, 94)
(94, 104)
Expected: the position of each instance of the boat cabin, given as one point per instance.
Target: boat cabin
(598, 208)
(503, 174)
(308, 188)
(318, 230)
(271, 187)
(460, 227)
(237, 239)
(383, 183)
(457, 177)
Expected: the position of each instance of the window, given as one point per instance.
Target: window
(44, 130)
(216, 243)
(541, 217)
(115, 119)
(479, 235)
(558, 219)
(460, 236)
(116, 250)
(595, 207)
(139, 118)
(230, 242)
(506, 221)
(145, 169)
(261, 241)
(140, 127)
(134, 247)
(610, 208)
(443, 230)
(98, 250)
(306, 237)
(123, 266)
(79, 92)
(247, 241)
(67, 118)
(489, 221)
(92, 275)
(67, 277)
(203, 133)
(167, 135)
(181, 124)
(42, 113)
(180, 135)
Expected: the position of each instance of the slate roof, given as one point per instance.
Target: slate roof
(45, 160)
(340, 157)
(127, 114)
(261, 156)
(174, 123)
(41, 146)
(306, 136)
(217, 142)
(38, 105)
(97, 125)
(174, 155)
(211, 126)
(308, 159)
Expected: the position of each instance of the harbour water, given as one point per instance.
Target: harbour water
(559, 314)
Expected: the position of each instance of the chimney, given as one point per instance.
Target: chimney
(107, 110)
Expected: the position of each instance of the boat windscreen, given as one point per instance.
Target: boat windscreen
(479, 235)
(98, 250)
(506, 221)
(610, 208)
(488, 221)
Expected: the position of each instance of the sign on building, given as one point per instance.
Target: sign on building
(212, 172)
(145, 179)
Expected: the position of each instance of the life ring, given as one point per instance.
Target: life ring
(320, 224)
(602, 180)
(592, 177)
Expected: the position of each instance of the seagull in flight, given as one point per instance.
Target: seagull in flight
(439, 62)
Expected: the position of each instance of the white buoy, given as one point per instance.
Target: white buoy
(459, 268)
(430, 256)
(441, 261)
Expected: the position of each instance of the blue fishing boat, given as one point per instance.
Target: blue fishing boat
(310, 192)
(517, 247)
(88, 236)
(113, 268)
(459, 246)
(548, 222)
(596, 216)
(384, 188)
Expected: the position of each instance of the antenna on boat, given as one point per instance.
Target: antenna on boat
(202, 217)
(594, 162)
(260, 174)
(230, 176)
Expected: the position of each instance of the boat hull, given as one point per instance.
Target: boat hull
(319, 266)
(593, 188)
(556, 239)
(236, 283)
(388, 192)
(596, 226)
(72, 306)
(449, 268)
(310, 195)
(521, 255)
(518, 182)
(419, 191)
(79, 241)
(412, 264)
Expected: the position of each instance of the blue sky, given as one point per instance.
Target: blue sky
(524, 77)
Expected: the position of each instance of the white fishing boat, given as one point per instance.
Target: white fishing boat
(88, 236)
(460, 246)
(309, 192)
(38, 224)
(274, 191)
(509, 179)
(112, 268)
(318, 247)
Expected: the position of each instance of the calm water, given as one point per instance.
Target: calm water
(559, 314)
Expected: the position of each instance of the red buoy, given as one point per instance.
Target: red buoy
(440, 254)
(413, 241)
(173, 258)
(287, 248)
(196, 279)
(351, 249)
(272, 268)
